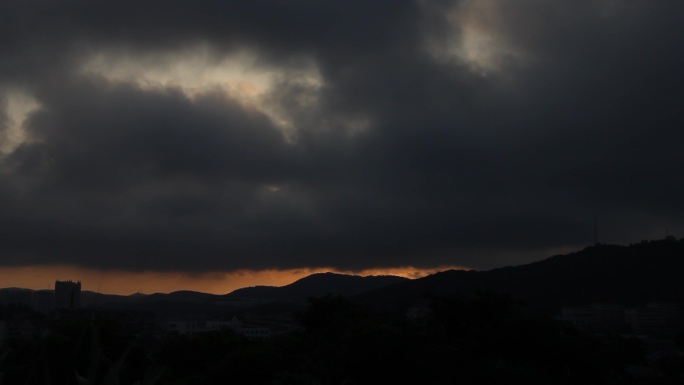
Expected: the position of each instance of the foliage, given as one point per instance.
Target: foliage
(81, 352)
(488, 338)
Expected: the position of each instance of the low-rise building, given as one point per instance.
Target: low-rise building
(185, 327)
(656, 319)
(597, 318)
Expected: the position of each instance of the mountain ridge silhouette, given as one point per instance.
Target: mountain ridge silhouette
(649, 271)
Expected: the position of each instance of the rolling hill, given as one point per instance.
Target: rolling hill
(650, 271)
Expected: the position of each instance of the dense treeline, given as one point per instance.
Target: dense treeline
(487, 339)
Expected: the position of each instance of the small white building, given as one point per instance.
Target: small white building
(185, 327)
(257, 333)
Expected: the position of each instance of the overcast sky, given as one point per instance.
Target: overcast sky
(214, 136)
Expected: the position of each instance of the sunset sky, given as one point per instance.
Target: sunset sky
(209, 145)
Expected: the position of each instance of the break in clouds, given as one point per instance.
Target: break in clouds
(350, 134)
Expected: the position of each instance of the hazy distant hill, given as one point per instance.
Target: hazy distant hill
(298, 291)
(650, 271)
(316, 285)
(313, 285)
(91, 298)
(273, 299)
(646, 272)
(182, 296)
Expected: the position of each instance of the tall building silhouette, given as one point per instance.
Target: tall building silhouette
(67, 294)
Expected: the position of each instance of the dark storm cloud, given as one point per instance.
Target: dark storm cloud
(408, 154)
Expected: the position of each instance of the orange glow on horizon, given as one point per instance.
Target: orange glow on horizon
(125, 282)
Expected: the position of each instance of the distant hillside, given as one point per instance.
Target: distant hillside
(182, 296)
(91, 298)
(316, 285)
(313, 285)
(650, 271)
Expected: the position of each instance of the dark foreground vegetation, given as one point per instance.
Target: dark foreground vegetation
(487, 339)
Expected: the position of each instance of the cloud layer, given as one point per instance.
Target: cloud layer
(268, 135)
